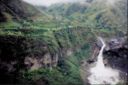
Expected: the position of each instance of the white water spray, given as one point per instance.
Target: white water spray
(101, 74)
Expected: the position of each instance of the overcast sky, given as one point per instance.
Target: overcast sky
(48, 2)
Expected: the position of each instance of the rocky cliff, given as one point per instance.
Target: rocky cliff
(18, 53)
(117, 56)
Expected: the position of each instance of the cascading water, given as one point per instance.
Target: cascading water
(101, 74)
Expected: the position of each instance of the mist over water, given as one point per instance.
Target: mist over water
(101, 74)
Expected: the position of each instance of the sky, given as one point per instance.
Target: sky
(48, 2)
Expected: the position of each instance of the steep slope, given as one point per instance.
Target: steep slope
(17, 47)
(49, 44)
(37, 50)
(17, 9)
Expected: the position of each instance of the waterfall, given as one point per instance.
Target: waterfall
(101, 74)
(100, 58)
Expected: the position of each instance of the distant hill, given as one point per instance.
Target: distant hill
(105, 15)
(94, 14)
(16, 9)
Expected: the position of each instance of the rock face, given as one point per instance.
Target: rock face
(18, 53)
(117, 53)
(117, 58)
(11, 57)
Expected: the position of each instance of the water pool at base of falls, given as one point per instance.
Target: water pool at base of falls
(101, 74)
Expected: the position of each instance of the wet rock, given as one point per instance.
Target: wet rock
(90, 61)
(117, 56)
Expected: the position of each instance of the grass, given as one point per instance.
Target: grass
(54, 77)
(9, 25)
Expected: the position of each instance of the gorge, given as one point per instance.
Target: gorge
(57, 44)
(100, 74)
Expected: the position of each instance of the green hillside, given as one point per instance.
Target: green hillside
(97, 15)
(47, 45)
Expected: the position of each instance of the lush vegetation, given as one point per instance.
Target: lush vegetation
(63, 28)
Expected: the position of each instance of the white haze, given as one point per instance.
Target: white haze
(112, 2)
(101, 74)
(49, 2)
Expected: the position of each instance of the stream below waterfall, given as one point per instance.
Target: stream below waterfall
(101, 74)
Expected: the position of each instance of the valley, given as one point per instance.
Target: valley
(57, 44)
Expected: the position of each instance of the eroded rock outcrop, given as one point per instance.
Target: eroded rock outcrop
(18, 53)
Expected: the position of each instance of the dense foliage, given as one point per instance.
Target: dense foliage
(68, 30)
